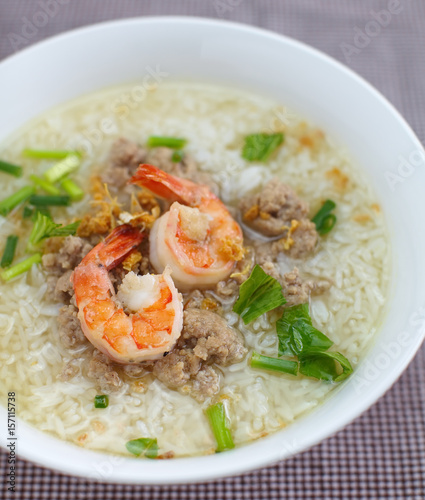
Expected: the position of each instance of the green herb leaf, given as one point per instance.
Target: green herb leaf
(156, 141)
(145, 446)
(63, 168)
(47, 201)
(259, 294)
(9, 251)
(10, 168)
(324, 220)
(21, 267)
(49, 154)
(273, 364)
(44, 227)
(8, 204)
(331, 366)
(101, 401)
(283, 326)
(259, 147)
(217, 418)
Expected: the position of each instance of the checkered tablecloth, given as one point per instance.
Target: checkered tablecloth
(382, 454)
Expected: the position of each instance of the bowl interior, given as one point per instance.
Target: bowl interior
(317, 87)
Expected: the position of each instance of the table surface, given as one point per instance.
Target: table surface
(381, 454)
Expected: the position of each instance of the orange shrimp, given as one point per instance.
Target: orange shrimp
(197, 237)
(154, 309)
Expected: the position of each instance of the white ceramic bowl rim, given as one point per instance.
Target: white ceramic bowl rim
(346, 403)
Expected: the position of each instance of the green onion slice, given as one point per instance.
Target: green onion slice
(49, 154)
(10, 168)
(177, 156)
(47, 201)
(324, 220)
(8, 204)
(27, 212)
(273, 364)
(101, 401)
(146, 446)
(44, 227)
(63, 168)
(331, 366)
(9, 251)
(45, 185)
(156, 141)
(217, 418)
(73, 190)
(259, 294)
(259, 147)
(21, 267)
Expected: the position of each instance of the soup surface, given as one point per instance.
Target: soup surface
(348, 270)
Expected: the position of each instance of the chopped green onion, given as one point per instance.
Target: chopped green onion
(45, 185)
(101, 401)
(70, 187)
(177, 156)
(63, 168)
(156, 141)
(27, 213)
(48, 201)
(49, 154)
(217, 418)
(9, 251)
(259, 294)
(44, 227)
(259, 147)
(11, 169)
(145, 446)
(324, 220)
(21, 267)
(324, 366)
(8, 204)
(274, 364)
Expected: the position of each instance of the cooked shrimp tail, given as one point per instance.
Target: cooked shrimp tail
(115, 248)
(166, 185)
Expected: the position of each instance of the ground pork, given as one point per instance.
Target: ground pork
(277, 210)
(69, 325)
(206, 338)
(69, 256)
(124, 158)
(70, 370)
(101, 370)
(273, 209)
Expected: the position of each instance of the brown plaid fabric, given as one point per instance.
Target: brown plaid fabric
(382, 454)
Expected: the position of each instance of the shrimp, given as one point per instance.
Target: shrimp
(197, 237)
(143, 320)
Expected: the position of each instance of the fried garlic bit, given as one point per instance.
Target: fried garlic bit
(107, 209)
(252, 213)
(232, 249)
(144, 210)
(147, 201)
(339, 179)
(209, 304)
(287, 241)
(132, 260)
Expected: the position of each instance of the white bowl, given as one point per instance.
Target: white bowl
(306, 80)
